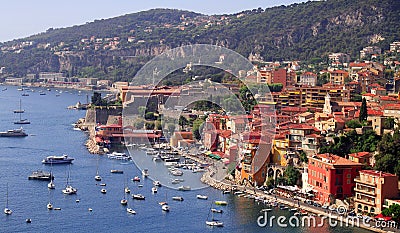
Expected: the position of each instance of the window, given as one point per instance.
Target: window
(349, 176)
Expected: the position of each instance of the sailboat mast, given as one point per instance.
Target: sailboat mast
(7, 197)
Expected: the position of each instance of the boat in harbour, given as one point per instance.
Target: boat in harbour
(130, 211)
(138, 196)
(69, 190)
(217, 210)
(115, 171)
(213, 222)
(154, 189)
(14, 133)
(177, 198)
(20, 110)
(7, 211)
(136, 179)
(157, 183)
(40, 175)
(97, 177)
(203, 197)
(63, 159)
(221, 203)
(184, 188)
(145, 172)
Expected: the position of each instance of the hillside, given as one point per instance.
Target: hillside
(116, 48)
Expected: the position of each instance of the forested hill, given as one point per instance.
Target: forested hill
(116, 48)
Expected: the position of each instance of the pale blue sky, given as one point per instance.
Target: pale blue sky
(21, 18)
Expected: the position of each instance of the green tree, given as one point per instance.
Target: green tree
(182, 122)
(97, 100)
(196, 128)
(353, 124)
(150, 116)
(291, 175)
(141, 110)
(363, 111)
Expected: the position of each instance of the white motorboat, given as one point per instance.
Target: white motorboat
(124, 201)
(145, 172)
(63, 159)
(14, 133)
(138, 196)
(157, 183)
(130, 211)
(165, 208)
(203, 197)
(215, 223)
(49, 206)
(177, 198)
(154, 189)
(127, 190)
(184, 188)
(69, 190)
(103, 191)
(216, 210)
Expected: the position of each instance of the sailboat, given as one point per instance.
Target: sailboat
(97, 177)
(49, 205)
(7, 210)
(213, 222)
(51, 184)
(68, 188)
(124, 201)
(164, 205)
(20, 111)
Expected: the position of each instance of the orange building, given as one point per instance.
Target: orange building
(372, 188)
(332, 176)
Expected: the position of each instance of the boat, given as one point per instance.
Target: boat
(57, 208)
(63, 159)
(136, 179)
(165, 208)
(117, 171)
(124, 201)
(127, 190)
(97, 177)
(145, 172)
(154, 189)
(177, 198)
(221, 203)
(51, 184)
(130, 211)
(69, 190)
(266, 210)
(203, 197)
(213, 222)
(14, 133)
(118, 156)
(283, 207)
(157, 183)
(176, 172)
(184, 188)
(7, 211)
(226, 192)
(217, 210)
(103, 191)
(49, 206)
(293, 210)
(20, 110)
(28, 220)
(40, 175)
(138, 196)
(103, 184)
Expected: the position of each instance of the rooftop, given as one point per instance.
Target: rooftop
(376, 173)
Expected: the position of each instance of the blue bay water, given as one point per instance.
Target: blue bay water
(51, 133)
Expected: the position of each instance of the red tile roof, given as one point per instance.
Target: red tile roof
(360, 154)
(376, 173)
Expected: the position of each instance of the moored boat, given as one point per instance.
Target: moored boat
(14, 133)
(41, 175)
(203, 197)
(184, 188)
(117, 171)
(177, 198)
(138, 196)
(63, 159)
(221, 203)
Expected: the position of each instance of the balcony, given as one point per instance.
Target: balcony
(364, 201)
(358, 180)
(364, 191)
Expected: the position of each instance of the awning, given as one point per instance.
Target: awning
(382, 217)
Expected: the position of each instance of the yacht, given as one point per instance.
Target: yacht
(184, 188)
(63, 159)
(177, 198)
(103, 191)
(41, 175)
(69, 190)
(124, 202)
(154, 189)
(145, 172)
(14, 133)
(130, 211)
(51, 185)
(127, 190)
(138, 196)
(221, 202)
(203, 197)
(165, 208)
(157, 183)
(136, 179)
(49, 206)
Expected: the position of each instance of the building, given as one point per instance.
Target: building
(181, 136)
(372, 188)
(361, 157)
(369, 50)
(339, 57)
(332, 177)
(307, 79)
(338, 77)
(272, 75)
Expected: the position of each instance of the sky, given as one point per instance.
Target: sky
(22, 18)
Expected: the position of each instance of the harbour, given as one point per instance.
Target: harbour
(51, 133)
